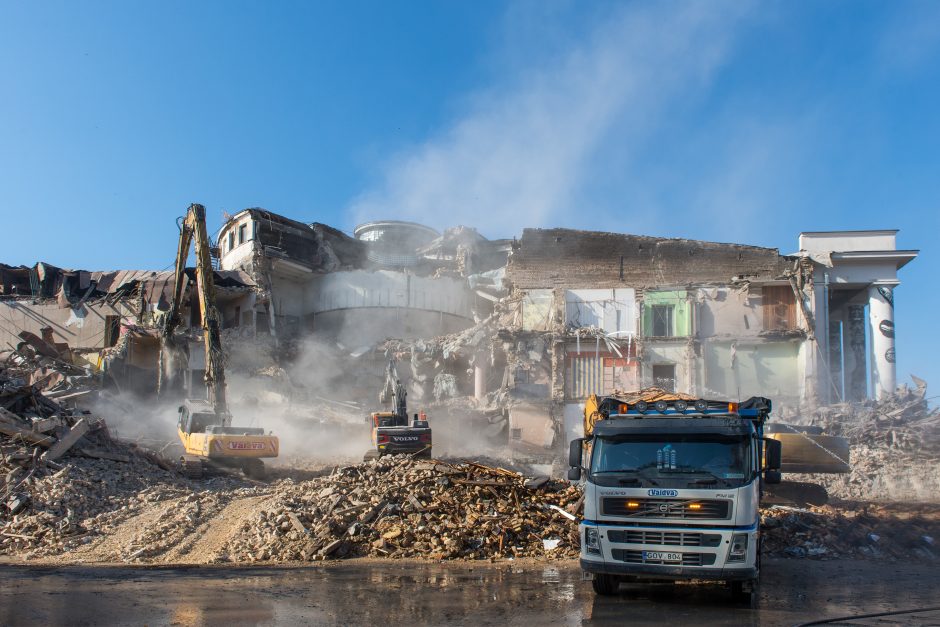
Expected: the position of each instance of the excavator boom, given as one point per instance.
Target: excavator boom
(204, 425)
(193, 231)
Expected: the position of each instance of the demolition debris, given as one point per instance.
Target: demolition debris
(65, 477)
(395, 507)
(895, 446)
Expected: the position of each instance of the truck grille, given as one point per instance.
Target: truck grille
(688, 559)
(669, 538)
(666, 508)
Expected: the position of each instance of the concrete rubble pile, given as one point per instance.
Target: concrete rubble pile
(397, 508)
(902, 421)
(895, 447)
(852, 530)
(64, 477)
(47, 366)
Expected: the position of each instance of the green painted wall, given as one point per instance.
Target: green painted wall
(681, 313)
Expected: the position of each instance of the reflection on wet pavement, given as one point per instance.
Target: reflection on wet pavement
(388, 593)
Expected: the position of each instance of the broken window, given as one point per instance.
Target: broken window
(231, 240)
(663, 320)
(112, 330)
(242, 232)
(664, 376)
(779, 307)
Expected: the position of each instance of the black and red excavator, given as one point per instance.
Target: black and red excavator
(392, 431)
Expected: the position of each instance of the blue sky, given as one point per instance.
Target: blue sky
(721, 121)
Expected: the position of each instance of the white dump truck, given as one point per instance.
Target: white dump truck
(672, 489)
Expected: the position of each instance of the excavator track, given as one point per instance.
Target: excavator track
(254, 469)
(191, 467)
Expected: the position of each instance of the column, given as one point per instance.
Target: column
(853, 351)
(480, 368)
(881, 320)
(835, 391)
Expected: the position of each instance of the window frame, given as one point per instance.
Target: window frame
(670, 323)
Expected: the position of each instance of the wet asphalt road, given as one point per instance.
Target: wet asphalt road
(400, 593)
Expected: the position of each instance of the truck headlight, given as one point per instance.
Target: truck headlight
(592, 540)
(738, 550)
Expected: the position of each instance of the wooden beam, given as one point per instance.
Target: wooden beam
(67, 441)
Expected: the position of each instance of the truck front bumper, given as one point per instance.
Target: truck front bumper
(707, 548)
(670, 573)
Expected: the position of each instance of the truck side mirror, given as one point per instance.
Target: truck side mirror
(772, 476)
(773, 454)
(574, 453)
(574, 474)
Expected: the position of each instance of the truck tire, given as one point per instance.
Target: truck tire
(605, 585)
(745, 593)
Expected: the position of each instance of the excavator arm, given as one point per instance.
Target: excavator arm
(395, 391)
(193, 231)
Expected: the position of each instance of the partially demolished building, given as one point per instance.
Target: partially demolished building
(514, 332)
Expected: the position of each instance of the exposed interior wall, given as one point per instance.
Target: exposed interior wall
(740, 370)
(573, 421)
(532, 425)
(664, 353)
(727, 312)
(537, 307)
(613, 310)
(81, 328)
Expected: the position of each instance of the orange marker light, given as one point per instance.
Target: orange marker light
(623, 409)
(632, 504)
(733, 408)
(695, 506)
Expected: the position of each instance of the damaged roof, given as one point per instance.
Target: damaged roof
(572, 258)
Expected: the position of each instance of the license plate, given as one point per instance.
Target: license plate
(658, 556)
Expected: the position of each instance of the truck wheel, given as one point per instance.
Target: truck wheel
(605, 585)
(745, 592)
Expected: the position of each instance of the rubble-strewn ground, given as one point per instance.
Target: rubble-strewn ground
(73, 493)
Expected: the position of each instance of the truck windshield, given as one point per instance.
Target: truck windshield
(674, 459)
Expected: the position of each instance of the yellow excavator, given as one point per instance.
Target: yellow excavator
(204, 425)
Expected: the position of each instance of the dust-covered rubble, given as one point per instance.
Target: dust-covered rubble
(65, 478)
(397, 507)
(895, 447)
(852, 529)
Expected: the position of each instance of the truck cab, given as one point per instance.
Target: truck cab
(672, 492)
